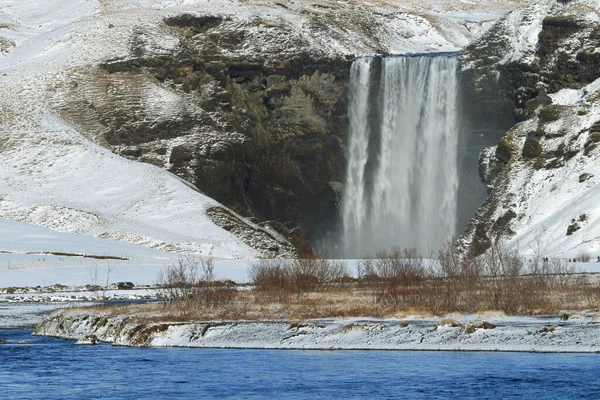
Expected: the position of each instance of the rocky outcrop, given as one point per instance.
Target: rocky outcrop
(261, 134)
(531, 52)
(535, 69)
(270, 242)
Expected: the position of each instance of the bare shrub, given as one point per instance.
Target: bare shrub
(192, 280)
(272, 279)
(395, 277)
(583, 256)
(496, 280)
(310, 274)
(279, 279)
(504, 269)
(591, 290)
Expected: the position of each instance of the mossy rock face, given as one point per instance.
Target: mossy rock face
(532, 148)
(538, 133)
(550, 113)
(541, 100)
(553, 30)
(181, 154)
(504, 150)
(565, 58)
(517, 84)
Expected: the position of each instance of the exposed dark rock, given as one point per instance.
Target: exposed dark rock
(88, 340)
(125, 285)
(298, 237)
(584, 177)
(502, 224)
(574, 227)
(549, 113)
(513, 85)
(480, 241)
(554, 29)
(197, 24)
(472, 328)
(591, 142)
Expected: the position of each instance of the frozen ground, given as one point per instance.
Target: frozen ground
(16, 315)
(235, 270)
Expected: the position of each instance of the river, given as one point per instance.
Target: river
(58, 369)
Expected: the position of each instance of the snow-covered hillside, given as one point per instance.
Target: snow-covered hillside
(544, 175)
(53, 176)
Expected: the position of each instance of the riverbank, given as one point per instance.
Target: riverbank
(568, 333)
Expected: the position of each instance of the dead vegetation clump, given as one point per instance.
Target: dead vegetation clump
(192, 282)
(472, 328)
(451, 322)
(395, 284)
(457, 282)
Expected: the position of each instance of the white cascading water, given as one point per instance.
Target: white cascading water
(402, 174)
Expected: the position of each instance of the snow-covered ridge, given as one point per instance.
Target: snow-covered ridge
(579, 333)
(515, 36)
(543, 175)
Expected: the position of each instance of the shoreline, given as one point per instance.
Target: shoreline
(503, 334)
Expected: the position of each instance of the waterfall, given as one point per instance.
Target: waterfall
(402, 178)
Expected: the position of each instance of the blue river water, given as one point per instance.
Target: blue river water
(48, 368)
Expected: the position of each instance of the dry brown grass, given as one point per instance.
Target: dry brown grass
(358, 301)
(394, 285)
(250, 305)
(449, 322)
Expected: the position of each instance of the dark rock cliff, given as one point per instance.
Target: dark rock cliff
(262, 134)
